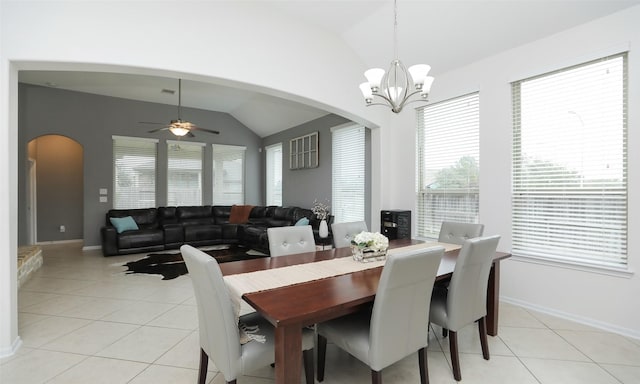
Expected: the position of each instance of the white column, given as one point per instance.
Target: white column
(9, 339)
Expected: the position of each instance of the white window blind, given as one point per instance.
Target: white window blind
(184, 173)
(274, 174)
(134, 172)
(348, 171)
(448, 163)
(570, 165)
(228, 174)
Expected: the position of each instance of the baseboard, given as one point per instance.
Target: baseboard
(91, 247)
(632, 333)
(60, 242)
(11, 350)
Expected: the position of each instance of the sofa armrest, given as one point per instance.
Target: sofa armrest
(109, 241)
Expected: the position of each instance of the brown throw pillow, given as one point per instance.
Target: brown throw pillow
(240, 214)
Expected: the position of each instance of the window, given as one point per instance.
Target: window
(134, 172)
(448, 163)
(303, 151)
(184, 173)
(348, 171)
(274, 174)
(228, 174)
(570, 165)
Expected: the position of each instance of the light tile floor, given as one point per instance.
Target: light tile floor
(83, 320)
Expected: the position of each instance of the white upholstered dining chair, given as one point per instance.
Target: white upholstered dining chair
(219, 333)
(343, 233)
(464, 301)
(290, 240)
(395, 327)
(456, 233)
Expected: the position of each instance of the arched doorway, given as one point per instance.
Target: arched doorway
(55, 190)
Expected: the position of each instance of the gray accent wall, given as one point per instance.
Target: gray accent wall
(91, 121)
(300, 187)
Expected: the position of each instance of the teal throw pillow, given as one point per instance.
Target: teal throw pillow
(123, 223)
(302, 221)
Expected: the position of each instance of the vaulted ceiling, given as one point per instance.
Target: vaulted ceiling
(445, 34)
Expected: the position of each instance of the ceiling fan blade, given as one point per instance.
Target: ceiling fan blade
(158, 129)
(190, 135)
(205, 130)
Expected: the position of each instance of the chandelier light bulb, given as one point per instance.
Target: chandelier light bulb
(374, 77)
(365, 88)
(419, 74)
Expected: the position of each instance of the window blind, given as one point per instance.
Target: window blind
(184, 173)
(570, 165)
(228, 174)
(348, 171)
(134, 172)
(274, 174)
(448, 163)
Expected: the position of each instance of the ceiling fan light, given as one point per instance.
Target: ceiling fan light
(178, 131)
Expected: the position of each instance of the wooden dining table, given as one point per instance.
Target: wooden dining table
(291, 308)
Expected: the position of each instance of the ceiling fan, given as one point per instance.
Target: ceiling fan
(180, 127)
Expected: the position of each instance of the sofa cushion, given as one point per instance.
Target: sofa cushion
(140, 238)
(258, 212)
(167, 215)
(145, 218)
(302, 221)
(123, 223)
(195, 215)
(195, 233)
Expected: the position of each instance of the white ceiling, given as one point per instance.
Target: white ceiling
(445, 34)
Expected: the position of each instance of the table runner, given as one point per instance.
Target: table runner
(250, 282)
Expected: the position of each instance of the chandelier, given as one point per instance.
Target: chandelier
(398, 86)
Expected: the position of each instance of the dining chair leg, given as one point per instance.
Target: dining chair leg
(455, 361)
(307, 357)
(376, 377)
(482, 329)
(204, 363)
(322, 353)
(424, 369)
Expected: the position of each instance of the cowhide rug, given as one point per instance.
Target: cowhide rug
(171, 265)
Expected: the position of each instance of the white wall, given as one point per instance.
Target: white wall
(231, 43)
(603, 300)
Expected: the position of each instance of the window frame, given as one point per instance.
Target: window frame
(463, 114)
(180, 202)
(555, 254)
(153, 153)
(270, 198)
(226, 193)
(339, 164)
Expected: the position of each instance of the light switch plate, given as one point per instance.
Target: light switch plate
(103, 199)
(103, 191)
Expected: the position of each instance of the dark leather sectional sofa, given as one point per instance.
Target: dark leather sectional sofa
(170, 227)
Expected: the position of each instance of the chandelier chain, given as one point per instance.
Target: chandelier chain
(395, 29)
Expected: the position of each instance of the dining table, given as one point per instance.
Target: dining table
(290, 308)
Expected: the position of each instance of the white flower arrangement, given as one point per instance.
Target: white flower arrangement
(320, 210)
(371, 240)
